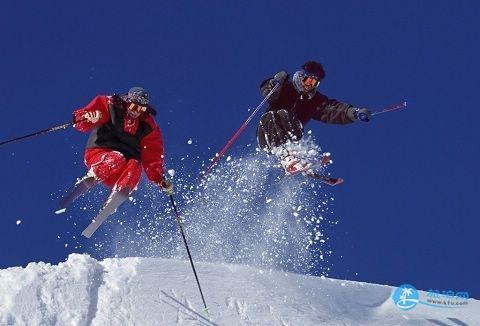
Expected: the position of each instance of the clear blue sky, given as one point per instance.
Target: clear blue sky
(408, 208)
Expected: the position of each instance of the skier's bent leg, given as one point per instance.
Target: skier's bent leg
(105, 165)
(291, 128)
(262, 131)
(288, 133)
(129, 177)
(270, 131)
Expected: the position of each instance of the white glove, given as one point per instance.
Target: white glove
(93, 117)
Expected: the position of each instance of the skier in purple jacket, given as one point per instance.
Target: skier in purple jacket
(294, 103)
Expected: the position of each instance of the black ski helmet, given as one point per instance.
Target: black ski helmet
(136, 95)
(314, 68)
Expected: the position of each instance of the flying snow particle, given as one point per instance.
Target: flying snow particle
(171, 172)
(189, 142)
(18, 222)
(229, 158)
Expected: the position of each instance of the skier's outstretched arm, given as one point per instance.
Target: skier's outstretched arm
(335, 112)
(93, 114)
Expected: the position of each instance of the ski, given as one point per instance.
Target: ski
(307, 171)
(115, 199)
(331, 181)
(80, 188)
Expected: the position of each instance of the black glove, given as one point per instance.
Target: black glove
(167, 186)
(361, 114)
(280, 77)
(364, 115)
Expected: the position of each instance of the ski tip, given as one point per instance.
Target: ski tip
(334, 182)
(86, 235)
(60, 211)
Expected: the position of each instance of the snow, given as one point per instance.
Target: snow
(245, 212)
(289, 233)
(18, 222)
(154, 291)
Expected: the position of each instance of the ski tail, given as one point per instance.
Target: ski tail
(80, 188)
(331, 181)
(115, 199)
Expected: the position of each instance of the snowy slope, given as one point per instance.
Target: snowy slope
(147, 291)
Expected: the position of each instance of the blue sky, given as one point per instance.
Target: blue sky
(407, 209)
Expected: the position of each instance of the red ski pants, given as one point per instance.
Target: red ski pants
(113, 169)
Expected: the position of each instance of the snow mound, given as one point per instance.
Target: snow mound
(152, 291)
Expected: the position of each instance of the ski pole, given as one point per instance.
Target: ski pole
(236, 134)
(41, 132)
(391, 108)
(37, 133)
(182, 231)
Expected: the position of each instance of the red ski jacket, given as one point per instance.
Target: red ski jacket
(138, 139)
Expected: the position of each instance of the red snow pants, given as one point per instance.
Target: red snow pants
(113, 169)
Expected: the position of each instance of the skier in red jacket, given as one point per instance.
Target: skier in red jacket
(123, 138)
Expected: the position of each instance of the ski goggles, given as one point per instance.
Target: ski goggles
(135, 107)
(310, 79)
(137, 100)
